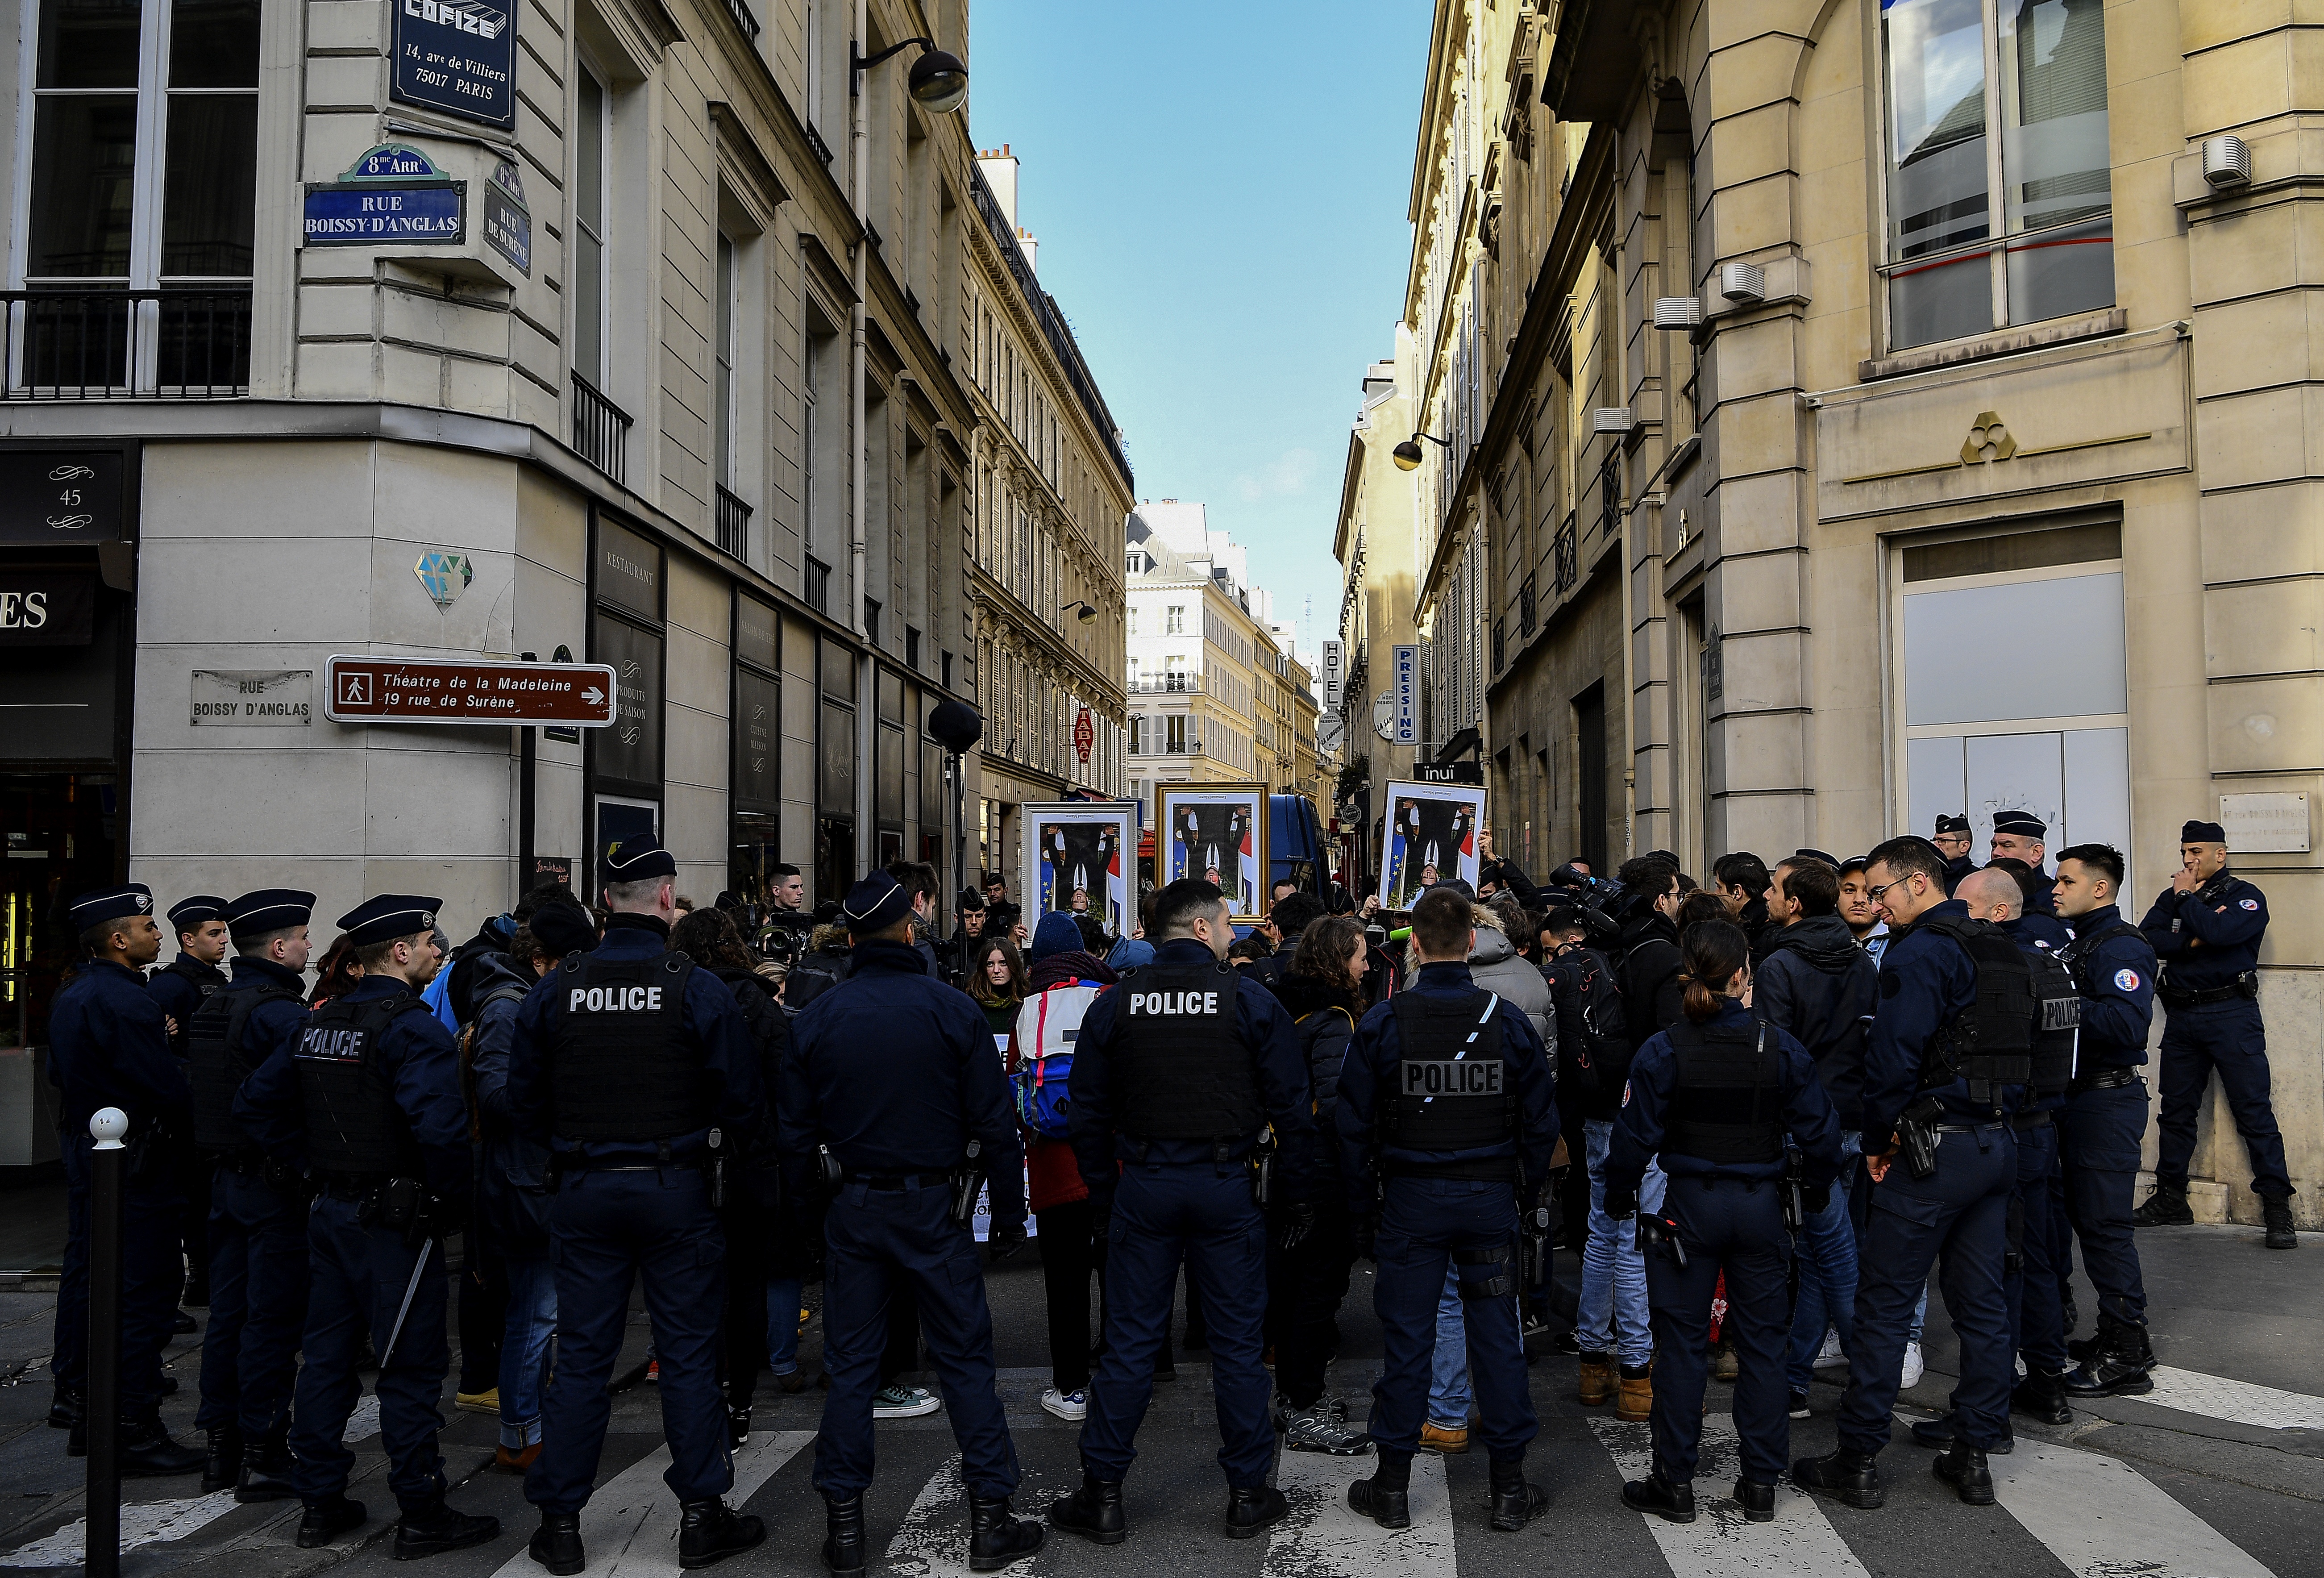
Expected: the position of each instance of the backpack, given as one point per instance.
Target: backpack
(1593, 1031)
(1047, 1026)
(502, 992)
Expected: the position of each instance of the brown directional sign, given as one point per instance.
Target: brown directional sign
(458, 690)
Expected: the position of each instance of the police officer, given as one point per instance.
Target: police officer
(2018, 834)
(258, 1217)
(109, 1046)
(1949, 1053)
(1177, 1072)
(631, 1066)
(180, 986)
(1446, 1113)
(892, 1076)
(1952, 841)
(2207, 926)
(367, 1097)
(1714, 1095)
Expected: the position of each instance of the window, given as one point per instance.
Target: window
(591, 111)
(1133, 621)
(818, 585)
(1174, 619)
(1174, 734)
(1137, 734)
(1978, 240)
(872, 621)
(722, 437)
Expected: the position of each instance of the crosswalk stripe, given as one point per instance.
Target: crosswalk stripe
(142, 1523)
(1721, 1543)
(630, 1528)
(2240, 1402)
(933, 1537)
(1321, 1538)
(2102, 1517)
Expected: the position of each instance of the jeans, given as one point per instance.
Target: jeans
(782, 1325)
(1827, 1261)
(1448, 1396)
(1613, 1316)
(524, 1348)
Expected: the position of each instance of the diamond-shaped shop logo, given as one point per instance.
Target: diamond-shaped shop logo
(446, 575)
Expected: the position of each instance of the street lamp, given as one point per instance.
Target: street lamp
(938, 78)
(1086, 614)
(1407, 454)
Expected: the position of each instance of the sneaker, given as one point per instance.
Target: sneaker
(654, 1371)
(1911, 1376)
(1800, 1405)
(1830, 1357)
(903, 1402)
(1072, 1405)
(487, 1401)
(738, 1425)
(1724, 1365)
(1313, 1429)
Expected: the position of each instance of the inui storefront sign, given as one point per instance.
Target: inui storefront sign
(455, 690)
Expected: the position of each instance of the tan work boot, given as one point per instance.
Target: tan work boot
(1597, 1379)
(1435, 1437)
(1636, 1399)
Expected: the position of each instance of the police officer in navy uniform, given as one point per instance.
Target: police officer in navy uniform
(1714, 1096)
(2018, 834)
(1950, 1055)
(1952, 841)
(367, 1098)
(2207, 927)
(2104, 1120)
(1447, 1114)
(634, 1068)
(109, 1046)
(1178, 1070)
(180, 987)
(892, 1076)
(257, 1224)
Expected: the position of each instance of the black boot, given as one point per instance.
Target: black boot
(997, 1536)
(1252, 1507)
(1660, 1497)
(2165, 1207)
(144, 1451)
(1852, 1476)
(1515, 1502)
(710, 1531)
(1094, 1511)
(843, 1540)
(433, 1529)
(557, 1544)
(2042, 1395)
(2276, 1212)
(1387, 1497)
(267, 1466)
(222, 1463)
(1962, 1466)
(2116, 1364)
(1938, 1432)
(1758, 1501)
(324, 1521)
(66, 1407)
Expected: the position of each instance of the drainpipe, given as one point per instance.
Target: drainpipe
(859, 137)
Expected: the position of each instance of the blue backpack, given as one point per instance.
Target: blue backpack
(1047, 1026)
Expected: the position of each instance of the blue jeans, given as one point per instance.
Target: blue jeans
(524, 1348)
(1827, 1261)
(1448, 1396)
(782, 1325)
(1613, 1316)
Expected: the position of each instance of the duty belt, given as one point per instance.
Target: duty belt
(2244, 985)
(2105, 1079)
(2038, 1119)
(893, 1182)
(1962, 1128)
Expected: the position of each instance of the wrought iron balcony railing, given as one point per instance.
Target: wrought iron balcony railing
(600, 430)
(100, 344)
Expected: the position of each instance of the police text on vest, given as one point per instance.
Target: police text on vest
(615, 1000)
(1447, 1077)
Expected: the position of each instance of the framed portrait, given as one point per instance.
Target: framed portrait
(1081, 855)
(1430, 836)
(1217, 832)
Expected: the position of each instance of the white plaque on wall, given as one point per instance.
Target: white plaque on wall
(279, 697)
(2265, 824)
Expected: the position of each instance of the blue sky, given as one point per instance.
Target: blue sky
(1219, 192)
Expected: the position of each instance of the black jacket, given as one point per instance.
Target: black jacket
(1819, 983)
(1324, 1019)
(1648, 968)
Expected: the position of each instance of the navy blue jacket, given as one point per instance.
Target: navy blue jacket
(177, 987)
(1640, 1127)
(2047, 932)
(2044, 899)
(1100, 1128)
(1955, 870)
(108, 1048)
(511, 1167)
(1927, 980)
(1819, 984)
(895, 1071)
(2208, 938)
(2116, 980)
(272, 1025)
(1367, 1076)
(421, 1064)
(714, 1030)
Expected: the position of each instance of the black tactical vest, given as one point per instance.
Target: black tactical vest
(354, 1125)
(217, 1063)
(1992, 1044)
(1453, 1090)
(1184, 1069)
(622, 1070)
(206, 979)
(1727, 1103)
(2060, 1027)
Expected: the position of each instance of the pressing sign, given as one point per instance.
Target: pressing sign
(1446, 1077)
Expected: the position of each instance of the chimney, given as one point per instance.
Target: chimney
(1000, 175)
(1030, 247)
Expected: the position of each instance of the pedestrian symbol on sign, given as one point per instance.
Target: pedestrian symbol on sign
(356, 690)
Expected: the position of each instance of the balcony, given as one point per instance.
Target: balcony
(1501, 644)
(741, 13)
(600, 430)
(1568, 551)
(734, 525)
(127, 345)
(1525, 611)
(1609, 492)
(1167, 684)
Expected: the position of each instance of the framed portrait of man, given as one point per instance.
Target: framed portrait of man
(1217, 832)
(1429, 836)
(1081, 857)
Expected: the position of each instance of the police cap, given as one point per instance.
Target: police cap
(389, 917)
(2020, 823)
(198, 910)
(638, 860)
(115, 903)
(1952, 825)
(267, 909)
(875, 904)
(2202, 833)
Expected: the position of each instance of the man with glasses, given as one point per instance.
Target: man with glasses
(1952, 841)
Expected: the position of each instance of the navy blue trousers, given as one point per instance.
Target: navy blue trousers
(356, 1276)
(2098, 1135)
(606, 1231)
(258, 1304)
(152, 1274)
(1166, 1214)
(1956, 1219)
(2038, 1318)
(2231, 1038)
(1725, 1223)
(1423, 1222)
(886, 1244)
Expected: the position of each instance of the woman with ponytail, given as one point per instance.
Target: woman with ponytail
(1713, 1098)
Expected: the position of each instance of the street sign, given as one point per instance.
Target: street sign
(1404, 681)
(460, 690)
(1335, 672)
(1331, 734)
